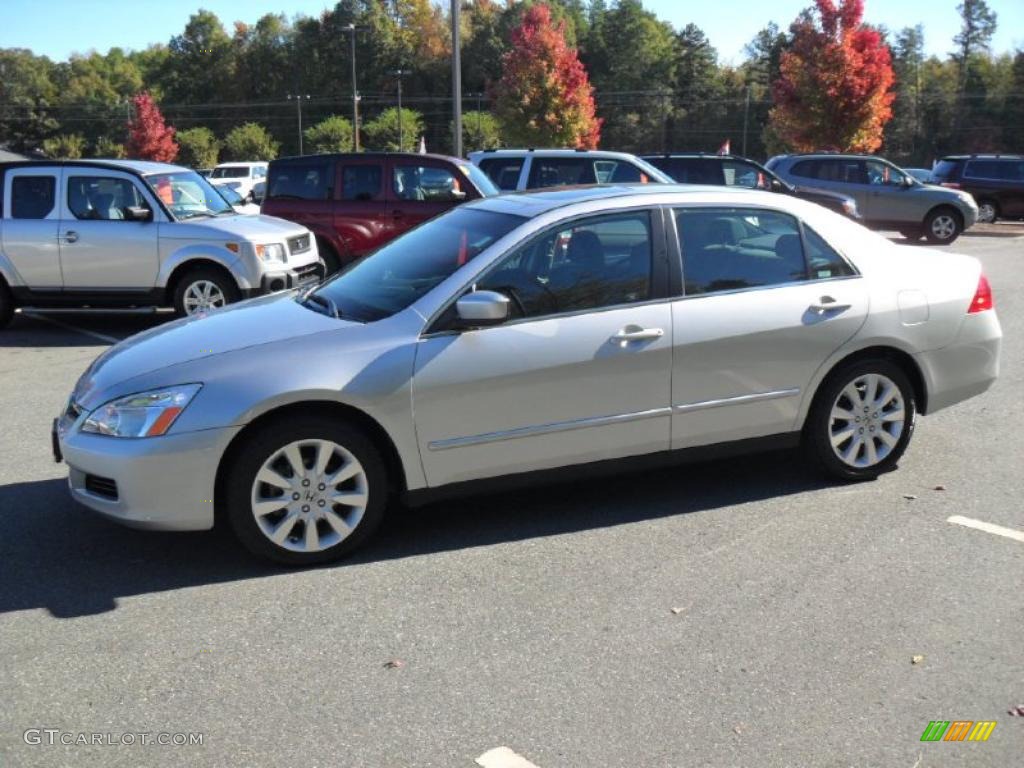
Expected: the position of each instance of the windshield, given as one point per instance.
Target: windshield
(187, 195)
(236, 172)
(229, 194)
(480, 179)
(406, 268)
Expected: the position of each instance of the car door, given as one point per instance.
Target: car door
(100, 247)
(361, 217)
(889, 197)
(581, 370)
(31, 219)
(420, 190)
(766, 301)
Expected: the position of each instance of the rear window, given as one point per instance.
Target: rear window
(944, 169)
(32, 197)
(300, 181)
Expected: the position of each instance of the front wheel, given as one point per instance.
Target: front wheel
(942, 226)
(306, 491)
(987, 212)
(861, 421)
(203, 290)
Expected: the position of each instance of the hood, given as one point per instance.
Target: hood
(251, 323)
(255, 228)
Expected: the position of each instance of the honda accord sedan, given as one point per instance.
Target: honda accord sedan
(516, 337)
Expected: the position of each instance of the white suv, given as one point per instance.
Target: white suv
(518, 169)
(242, 176)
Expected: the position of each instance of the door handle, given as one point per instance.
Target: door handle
(827, 304)
(636, 333)
(71, 236)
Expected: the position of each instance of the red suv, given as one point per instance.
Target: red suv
(354, 203)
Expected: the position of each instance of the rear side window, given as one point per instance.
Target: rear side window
(102, 198)
(696, 171)
(362, 182)
(300, 181)
(983, 169)
(561, 171)
(807, 169)
(733, 249)
(823, 261)
(944, 169)
(32, 197)
(503, 171)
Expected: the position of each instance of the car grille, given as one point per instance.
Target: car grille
(298, 244)
(101, 486)
(308, 273)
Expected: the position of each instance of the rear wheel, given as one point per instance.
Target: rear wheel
(6, 305)
(861, 421)
(943, 226)
(202, 290)
(988, 212)
(328, 256)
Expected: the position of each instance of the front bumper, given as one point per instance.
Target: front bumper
(160, 483)
(283, 279)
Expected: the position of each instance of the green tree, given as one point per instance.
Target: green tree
(27, 96)
(108, 148)
(333, 134)
(250, 142)
(201, 64)
(67, 146)
(198, 148)
(480, 130)
(902, 134)
(978, 24)
(381, 133)
(1013, 120)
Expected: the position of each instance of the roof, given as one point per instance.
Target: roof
(363, 155)
(555, 152)
(242, 164)
(141, 167)
(984, 157)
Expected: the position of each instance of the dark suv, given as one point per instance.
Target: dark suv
(995, 181)
(734, 171)
(354, 203)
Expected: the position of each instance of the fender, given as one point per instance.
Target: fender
(191, 251)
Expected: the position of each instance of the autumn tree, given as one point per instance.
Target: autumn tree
(834, 88)
(149, 137)
(544, 97)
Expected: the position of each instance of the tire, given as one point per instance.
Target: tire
(6, 305)
(988, 212)
(328, 256)
(942, 226)
(848, 460)
(267, 450)
(193, 285)
(911, 234)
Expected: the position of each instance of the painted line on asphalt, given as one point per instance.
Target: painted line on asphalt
(69, 327)
(503, 757)
(981, 525)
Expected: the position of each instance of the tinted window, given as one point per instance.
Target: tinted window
(740, 174)
(402, 271)
(561, 171)
(1012, 170)
(696, 171)
(595, 263)
(729, 249)
(807, 169)
(503, 171)
(944, 169)
(411, 182)
(362, 182)
(235, 172)
(32, 197)
(618, 172)
(301, 181)
(822, 259)
(842, 171)
(102, 198)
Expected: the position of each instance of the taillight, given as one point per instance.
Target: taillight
(950, 184)
(982, 297)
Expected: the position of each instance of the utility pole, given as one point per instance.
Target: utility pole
(746, 115)
(351, 29)
(298, 103)
(401, 137)
(456, 81)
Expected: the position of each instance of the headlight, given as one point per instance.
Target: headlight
(146, 414)
(270, 252)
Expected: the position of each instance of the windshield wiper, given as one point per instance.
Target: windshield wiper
(324, 301)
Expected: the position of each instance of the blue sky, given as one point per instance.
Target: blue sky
(58, 27)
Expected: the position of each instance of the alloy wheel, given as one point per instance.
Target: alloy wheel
(867, 420)
(943, 226)
(202, 296)
(986, 213)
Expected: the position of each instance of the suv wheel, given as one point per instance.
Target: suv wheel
(6, 305)
(861, 421)
(306, 491)
(203, 289)
(987, 212)
(943, 226)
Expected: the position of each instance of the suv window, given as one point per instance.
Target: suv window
(730, 249)
(32, 197)
(561, 171)
(102, 198)
(424, 182)
(301, 181)
(362, 182)
(232, 172)
(883, 173)
(691, 170)
(503, 171)
(740, 174)
(807, 169)
(998, 170)
(598, 262)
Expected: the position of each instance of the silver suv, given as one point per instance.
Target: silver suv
(887, 197)
(520, 169)
(116, 233)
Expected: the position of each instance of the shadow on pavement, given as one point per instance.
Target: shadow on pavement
(70, 329)
(59, 556)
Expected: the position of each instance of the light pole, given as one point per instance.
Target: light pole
(351, 29)
(401, 138)
(456, 81)
(479, 119)
(298, 103)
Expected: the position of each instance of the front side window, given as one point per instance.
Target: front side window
(301, 181)
(594, 263)
(187, 195)
(503, 171)
(733, 249)
(883, 173)
(32, 197)
(412, 264)
(362, 182)
(561, 171)
(427, 183)
(102, 198)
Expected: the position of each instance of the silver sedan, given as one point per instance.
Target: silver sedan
(520, 336)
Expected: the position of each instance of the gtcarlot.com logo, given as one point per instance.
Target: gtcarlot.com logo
(958, 730)
(51, 736)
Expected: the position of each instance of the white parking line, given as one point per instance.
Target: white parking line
(503, 757)
(69, 327)
(980, 525)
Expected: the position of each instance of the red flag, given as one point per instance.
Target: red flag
(724, 149)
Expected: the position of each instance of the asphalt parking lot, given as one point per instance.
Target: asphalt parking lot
(738, 613)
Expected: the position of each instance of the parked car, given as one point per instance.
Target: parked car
(354, 203)
(247, 175)
(133, 233)
(735, 171)
(995, 181)
(474, 348)
(519, 169)
(229, 192)
(923, 175)
(887, 198)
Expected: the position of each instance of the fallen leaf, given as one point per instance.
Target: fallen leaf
(677, 611)
(917, 659)
(939, 488)
(909, 496)
(394, 664)
(739, 728)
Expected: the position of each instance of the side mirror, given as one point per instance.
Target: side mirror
(480, 309)
(457, 194)
(138, 213)
(777, 186)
